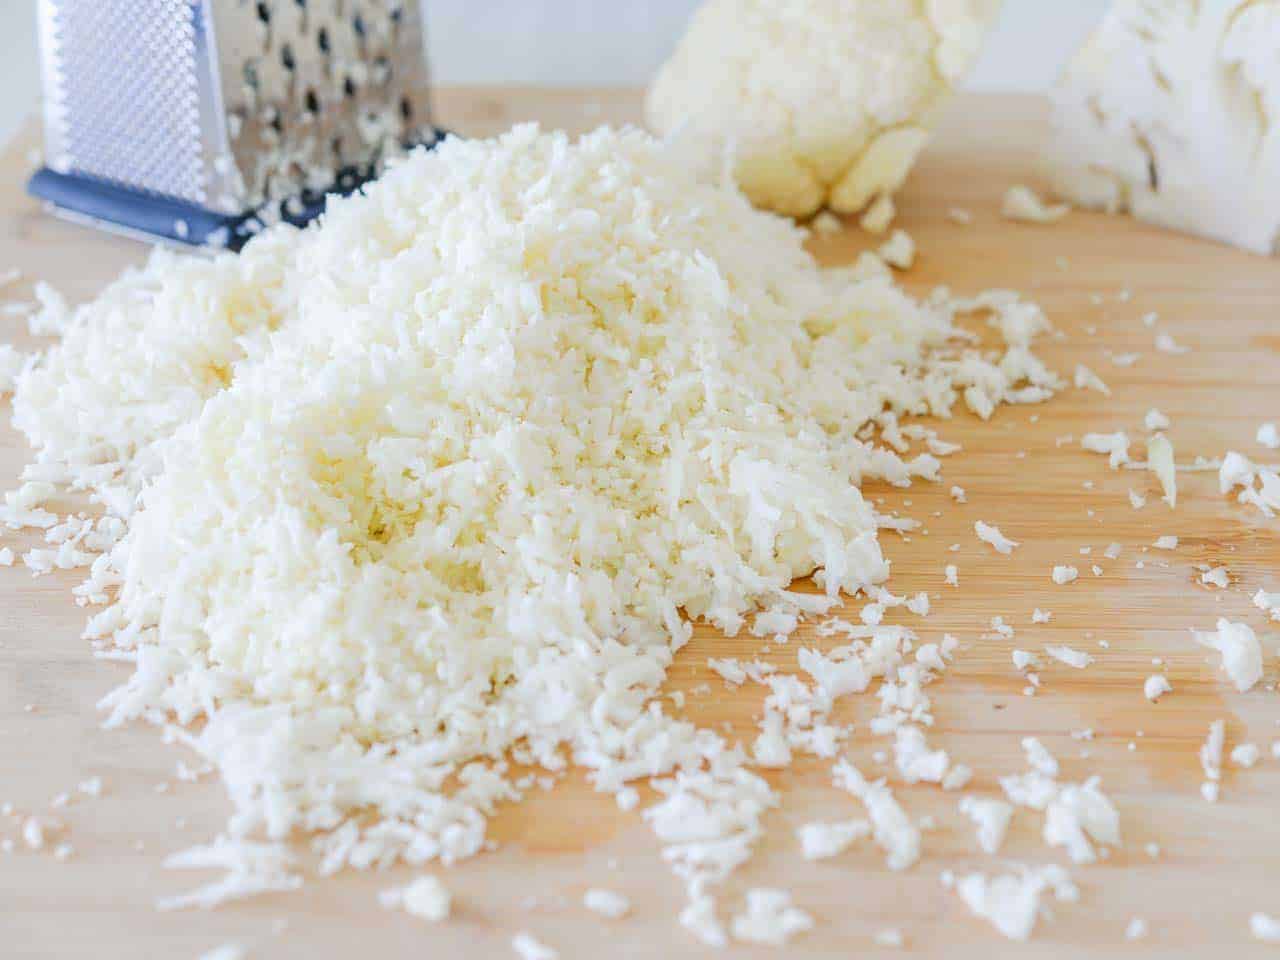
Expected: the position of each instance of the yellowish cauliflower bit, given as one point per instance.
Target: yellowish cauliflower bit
(815, 102)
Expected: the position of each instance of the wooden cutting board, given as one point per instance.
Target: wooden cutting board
(1096, 276)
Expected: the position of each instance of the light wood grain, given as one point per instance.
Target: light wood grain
(1218, 863)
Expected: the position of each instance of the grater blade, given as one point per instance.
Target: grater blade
(200, 120)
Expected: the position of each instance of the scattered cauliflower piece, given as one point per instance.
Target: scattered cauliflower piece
(992, 535)
(425, 897)
(1116, 445)
(1086, 379)
(1245, 755)
(819, 840)
(1160, 462)
(606, 903)
(1156, 686)
(899, 251)
(1071, 657)
(1023, 204)
(1011, 901)
(1265, 928)
(1241, 652)
(991, 817)
(769, 918)
(1063, 574)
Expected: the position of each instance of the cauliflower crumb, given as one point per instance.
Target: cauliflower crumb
(699, 918)
(1155, 421)
(1211, 759)
(607, 903)
(952, 575)
(527, 947)
(1039, 758)
(1216, 577)
(819, 841)
(770, 918)
(891, 937)
(1023, 660)
(1268, 436)
(992, 535)
(226, 951)
(1268, 602)
(1086, 379)
(33, 833)
(425, 898)
(1072, 658)
(1136, 930)
(1116, 445)
(1023, 204)
(991, 818)
(1264, 928)
(1063, 574)
(1166, 344)
(1240, 650)
(899, 251)
(1245, 755)
(1160, 462)
(1011, 901)
(1156, 686)
(1166, 542)
(827, 223)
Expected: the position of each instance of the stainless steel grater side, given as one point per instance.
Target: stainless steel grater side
(198, 120)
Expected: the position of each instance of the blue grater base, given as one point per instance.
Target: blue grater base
(158, 218)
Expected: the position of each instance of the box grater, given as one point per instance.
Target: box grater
(199, 121)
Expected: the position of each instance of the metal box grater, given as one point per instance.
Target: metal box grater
(200, 120)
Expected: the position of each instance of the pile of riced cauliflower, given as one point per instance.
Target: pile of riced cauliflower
(439, 484)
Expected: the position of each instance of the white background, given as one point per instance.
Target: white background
(594, 42)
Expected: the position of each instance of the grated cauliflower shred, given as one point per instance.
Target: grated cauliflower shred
(1241, 652)
(606, 903)
(1024, 205)
(992, 535)
(769, 918)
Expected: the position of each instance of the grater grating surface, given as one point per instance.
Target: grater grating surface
(226, 107)
(125, 103)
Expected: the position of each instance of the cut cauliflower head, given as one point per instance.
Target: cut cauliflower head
(1171, 111)
(815, 102)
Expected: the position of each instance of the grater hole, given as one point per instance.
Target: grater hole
(322, 39)
(349, 88)
(406, 109)
(264, 11)
(311, 102)
(357, 24)
(286, 57)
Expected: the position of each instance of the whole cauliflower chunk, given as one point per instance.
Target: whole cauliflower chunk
(1171, 111)
(815, 102)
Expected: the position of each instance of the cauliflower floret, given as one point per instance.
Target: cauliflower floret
(1172, 111)
(815, 102)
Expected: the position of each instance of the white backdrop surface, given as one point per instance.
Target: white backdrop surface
(595, 43)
